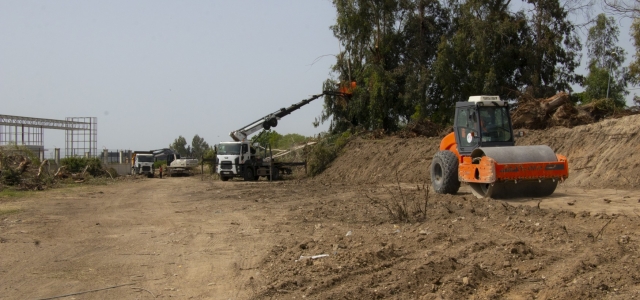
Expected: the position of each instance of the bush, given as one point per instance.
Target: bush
(77, 164)
(325, 151)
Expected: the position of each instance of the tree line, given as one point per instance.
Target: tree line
(414, 59)
(198, 148)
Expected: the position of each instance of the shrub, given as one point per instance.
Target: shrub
(77, 164)
(325, 151)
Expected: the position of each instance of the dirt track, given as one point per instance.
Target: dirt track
(186, 238)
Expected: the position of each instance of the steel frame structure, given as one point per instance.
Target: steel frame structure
(81, 137)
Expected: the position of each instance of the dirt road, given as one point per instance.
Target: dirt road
(189, 239)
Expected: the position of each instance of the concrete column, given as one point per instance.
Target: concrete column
(105, 156)
(56, 155)
(120, 155)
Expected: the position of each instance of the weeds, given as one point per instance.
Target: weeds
(325, 151)
(404, 207)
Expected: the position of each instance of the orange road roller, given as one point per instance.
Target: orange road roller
(481, 152)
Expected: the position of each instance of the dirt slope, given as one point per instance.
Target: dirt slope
(601, 155)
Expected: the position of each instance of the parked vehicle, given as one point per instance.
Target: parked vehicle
(142, 163)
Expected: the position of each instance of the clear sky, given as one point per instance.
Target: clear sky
(153, 70)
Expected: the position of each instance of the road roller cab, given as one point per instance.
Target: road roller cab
(481, 151)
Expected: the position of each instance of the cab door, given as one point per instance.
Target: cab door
(466, 129)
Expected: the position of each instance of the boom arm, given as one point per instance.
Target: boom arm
(271, 120)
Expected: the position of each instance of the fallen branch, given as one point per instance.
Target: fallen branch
(24, 164)
(45, 162)
(85, 170)
(59, 170)
(85, 292)
(602, 229)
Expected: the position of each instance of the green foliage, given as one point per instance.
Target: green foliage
(196, 150)
(605, 78)
(414, 59)
(76, 164)
(10, 177)
(278, 141)
(198, 147)
(179, 145)
(325, 151)
(550, 53)
(634, 67)
(112, 172)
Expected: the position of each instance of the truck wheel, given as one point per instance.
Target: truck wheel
(224, 178)
(248, 174)
(444, 173)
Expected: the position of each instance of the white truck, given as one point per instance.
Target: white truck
(142, 163)
(182, 166)
(239, 159)
(175, 164)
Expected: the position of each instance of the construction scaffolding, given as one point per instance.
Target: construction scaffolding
(82, 142)
(81, 137)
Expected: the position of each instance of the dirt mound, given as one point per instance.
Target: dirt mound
(601, 155)
(378, 160)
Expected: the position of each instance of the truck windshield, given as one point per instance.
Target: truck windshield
(229, 149)
(145, 158)
(494, 124)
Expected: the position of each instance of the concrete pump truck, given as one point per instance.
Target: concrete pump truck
(239, 158)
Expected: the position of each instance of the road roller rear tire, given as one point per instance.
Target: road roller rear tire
(444, 173)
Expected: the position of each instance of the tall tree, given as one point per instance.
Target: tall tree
(552, 50)
(369, 31)
(387, 47)
(427, 22)
(179, 145)
(605, 59)
(483, 54)
(634, 67)
(198, 146)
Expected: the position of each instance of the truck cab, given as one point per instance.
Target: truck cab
(142, 163)
(232, 159)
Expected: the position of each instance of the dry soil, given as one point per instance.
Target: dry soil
(332, 236)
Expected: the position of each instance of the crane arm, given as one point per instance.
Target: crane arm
(271, 120)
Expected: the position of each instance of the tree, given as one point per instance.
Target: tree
(605, 60)
(180, 146)
(388, 49)
(634, 67)
(270, 137)
(198, 146)
(551, 51)
(483, 54)
(628, 8)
